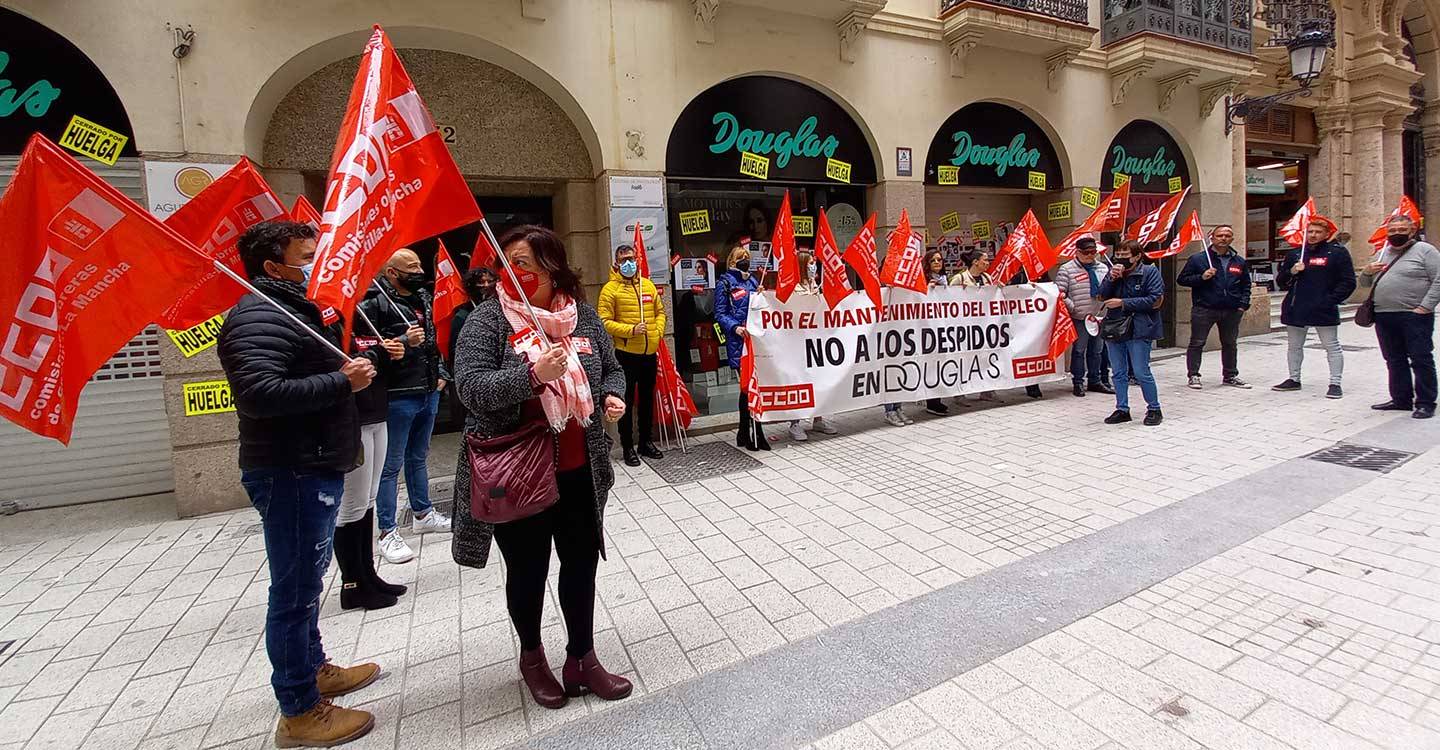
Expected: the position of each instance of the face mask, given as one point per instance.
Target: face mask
(628, 268)
(1124, 262)
(742, 265)
(411, 281)
(1398, 240)
(529, 283)
(304, 271)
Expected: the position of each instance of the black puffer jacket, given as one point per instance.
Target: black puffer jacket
(417, 373)
(373, 402)
(296, 410)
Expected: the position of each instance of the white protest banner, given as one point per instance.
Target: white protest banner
(812, 361)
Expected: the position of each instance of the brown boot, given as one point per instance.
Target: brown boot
(586, 675)
(325, 725)
(336, 681)
(535, 670)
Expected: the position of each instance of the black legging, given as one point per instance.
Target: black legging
(526, 547)
(639, 375)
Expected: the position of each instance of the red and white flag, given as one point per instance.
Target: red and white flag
(834, 283)
(1063, 334)
(1190, 231)
(304, 212)
(860, 254)
(213, 221)
(1294, 230)
(484, 255)
(642, 263)
(782, 249)
(905, 259)
(1153, 227)
(749, 385)
(392, 182)
(1107, 217)
(86, 270)
(1407, 207)
(450, 295)
(671, 395)
(1026, 248)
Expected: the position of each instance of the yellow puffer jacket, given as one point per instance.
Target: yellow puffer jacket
(621, 303)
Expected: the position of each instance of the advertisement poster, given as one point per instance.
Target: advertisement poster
(693, 272)
(171, 184)
(641, 201)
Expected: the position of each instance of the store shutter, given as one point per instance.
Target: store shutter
(121, 443)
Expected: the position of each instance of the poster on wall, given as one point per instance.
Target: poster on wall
(47, 84)
(1149, 157)
(171, 184)
(988, 144)
(845, 222)
(641, 201)
(692, 273)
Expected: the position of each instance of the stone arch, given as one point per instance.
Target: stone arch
(326, 70)
(1062, 152)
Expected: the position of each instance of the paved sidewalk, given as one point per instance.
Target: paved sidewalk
(150, 635)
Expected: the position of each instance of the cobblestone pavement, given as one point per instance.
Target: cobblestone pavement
(1322, 632)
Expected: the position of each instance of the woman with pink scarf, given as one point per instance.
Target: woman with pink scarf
(508, 379)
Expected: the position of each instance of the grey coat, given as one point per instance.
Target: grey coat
(494, 383)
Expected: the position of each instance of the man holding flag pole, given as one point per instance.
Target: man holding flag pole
(1220, 285)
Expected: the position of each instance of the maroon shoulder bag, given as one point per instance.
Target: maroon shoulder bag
(512, 476)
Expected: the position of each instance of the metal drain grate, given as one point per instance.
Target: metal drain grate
(704, 461)
(1362, 457)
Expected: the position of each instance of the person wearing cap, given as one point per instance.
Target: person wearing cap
(1079, 282)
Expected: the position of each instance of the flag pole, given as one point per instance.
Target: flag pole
(242, 281)
(393, 306)
(371, 325)
(505, 263)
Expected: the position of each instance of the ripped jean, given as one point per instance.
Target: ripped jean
(297, 513)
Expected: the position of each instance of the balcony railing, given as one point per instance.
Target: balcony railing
(1217, 23)
(1074, 11)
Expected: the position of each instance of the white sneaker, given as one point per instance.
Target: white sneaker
(821, 426)
(797, 432)
(394, 549)
(904, 416)
(893, 418)
(433, 521)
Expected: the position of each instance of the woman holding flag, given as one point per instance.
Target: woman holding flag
(509, 376)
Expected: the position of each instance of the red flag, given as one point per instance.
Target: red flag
(86, 270)
(834, 284)
(1407, 207)
(449, 296)
(1294, 230)
(671, 395)
(484, 255)
(213, 221)
(782, 249)
(1153, 227)
(640, 259)
(905, 258)
(749, 384)
(304, 212)
(1108, 217)
(861, 257)
(1063, 333)
(392, 182)
(1027, 248)
(1190, 232)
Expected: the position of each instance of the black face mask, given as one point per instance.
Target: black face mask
(1125, 262)
(411, 281)
(742, 265)
(1398, 240)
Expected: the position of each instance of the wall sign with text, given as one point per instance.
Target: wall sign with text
(1149, 156)
(987, 144)
(800, 133)
(46, 83)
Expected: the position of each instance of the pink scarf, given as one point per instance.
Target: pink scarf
(569, 396)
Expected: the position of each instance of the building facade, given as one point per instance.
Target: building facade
(594, 116)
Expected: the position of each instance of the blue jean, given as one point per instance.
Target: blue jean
(1085, 356)
(297, 513)
(1133, 358)
(411, 420)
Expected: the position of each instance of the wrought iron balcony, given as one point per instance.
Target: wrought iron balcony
(1217, 23)
(1074, 11)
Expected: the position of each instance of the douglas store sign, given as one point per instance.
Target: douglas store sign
(986, 144)
(46, 83)
(1145, 153)
(768, 128)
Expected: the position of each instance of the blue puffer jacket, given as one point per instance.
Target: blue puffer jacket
(732, 307)
(1140, 290)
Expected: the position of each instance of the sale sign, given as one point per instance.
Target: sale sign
(811, 360)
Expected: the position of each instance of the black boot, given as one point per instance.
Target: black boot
(648, 450)
(356, 590)
(367, 564)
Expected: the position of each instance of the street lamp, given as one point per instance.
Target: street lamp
(1306, 30)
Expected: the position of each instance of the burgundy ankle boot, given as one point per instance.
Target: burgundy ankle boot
(535, 671)
(586, 675)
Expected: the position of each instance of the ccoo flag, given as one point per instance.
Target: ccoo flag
(304, 212)
(905, 258)
(450, 295)
(834, 284)
(1190, 232)
(392, 182)
(782, 248)
(213, 221)
(87, 270)
(1379, 238)
(861, 257)
(1026, 248)
(1153, 227)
